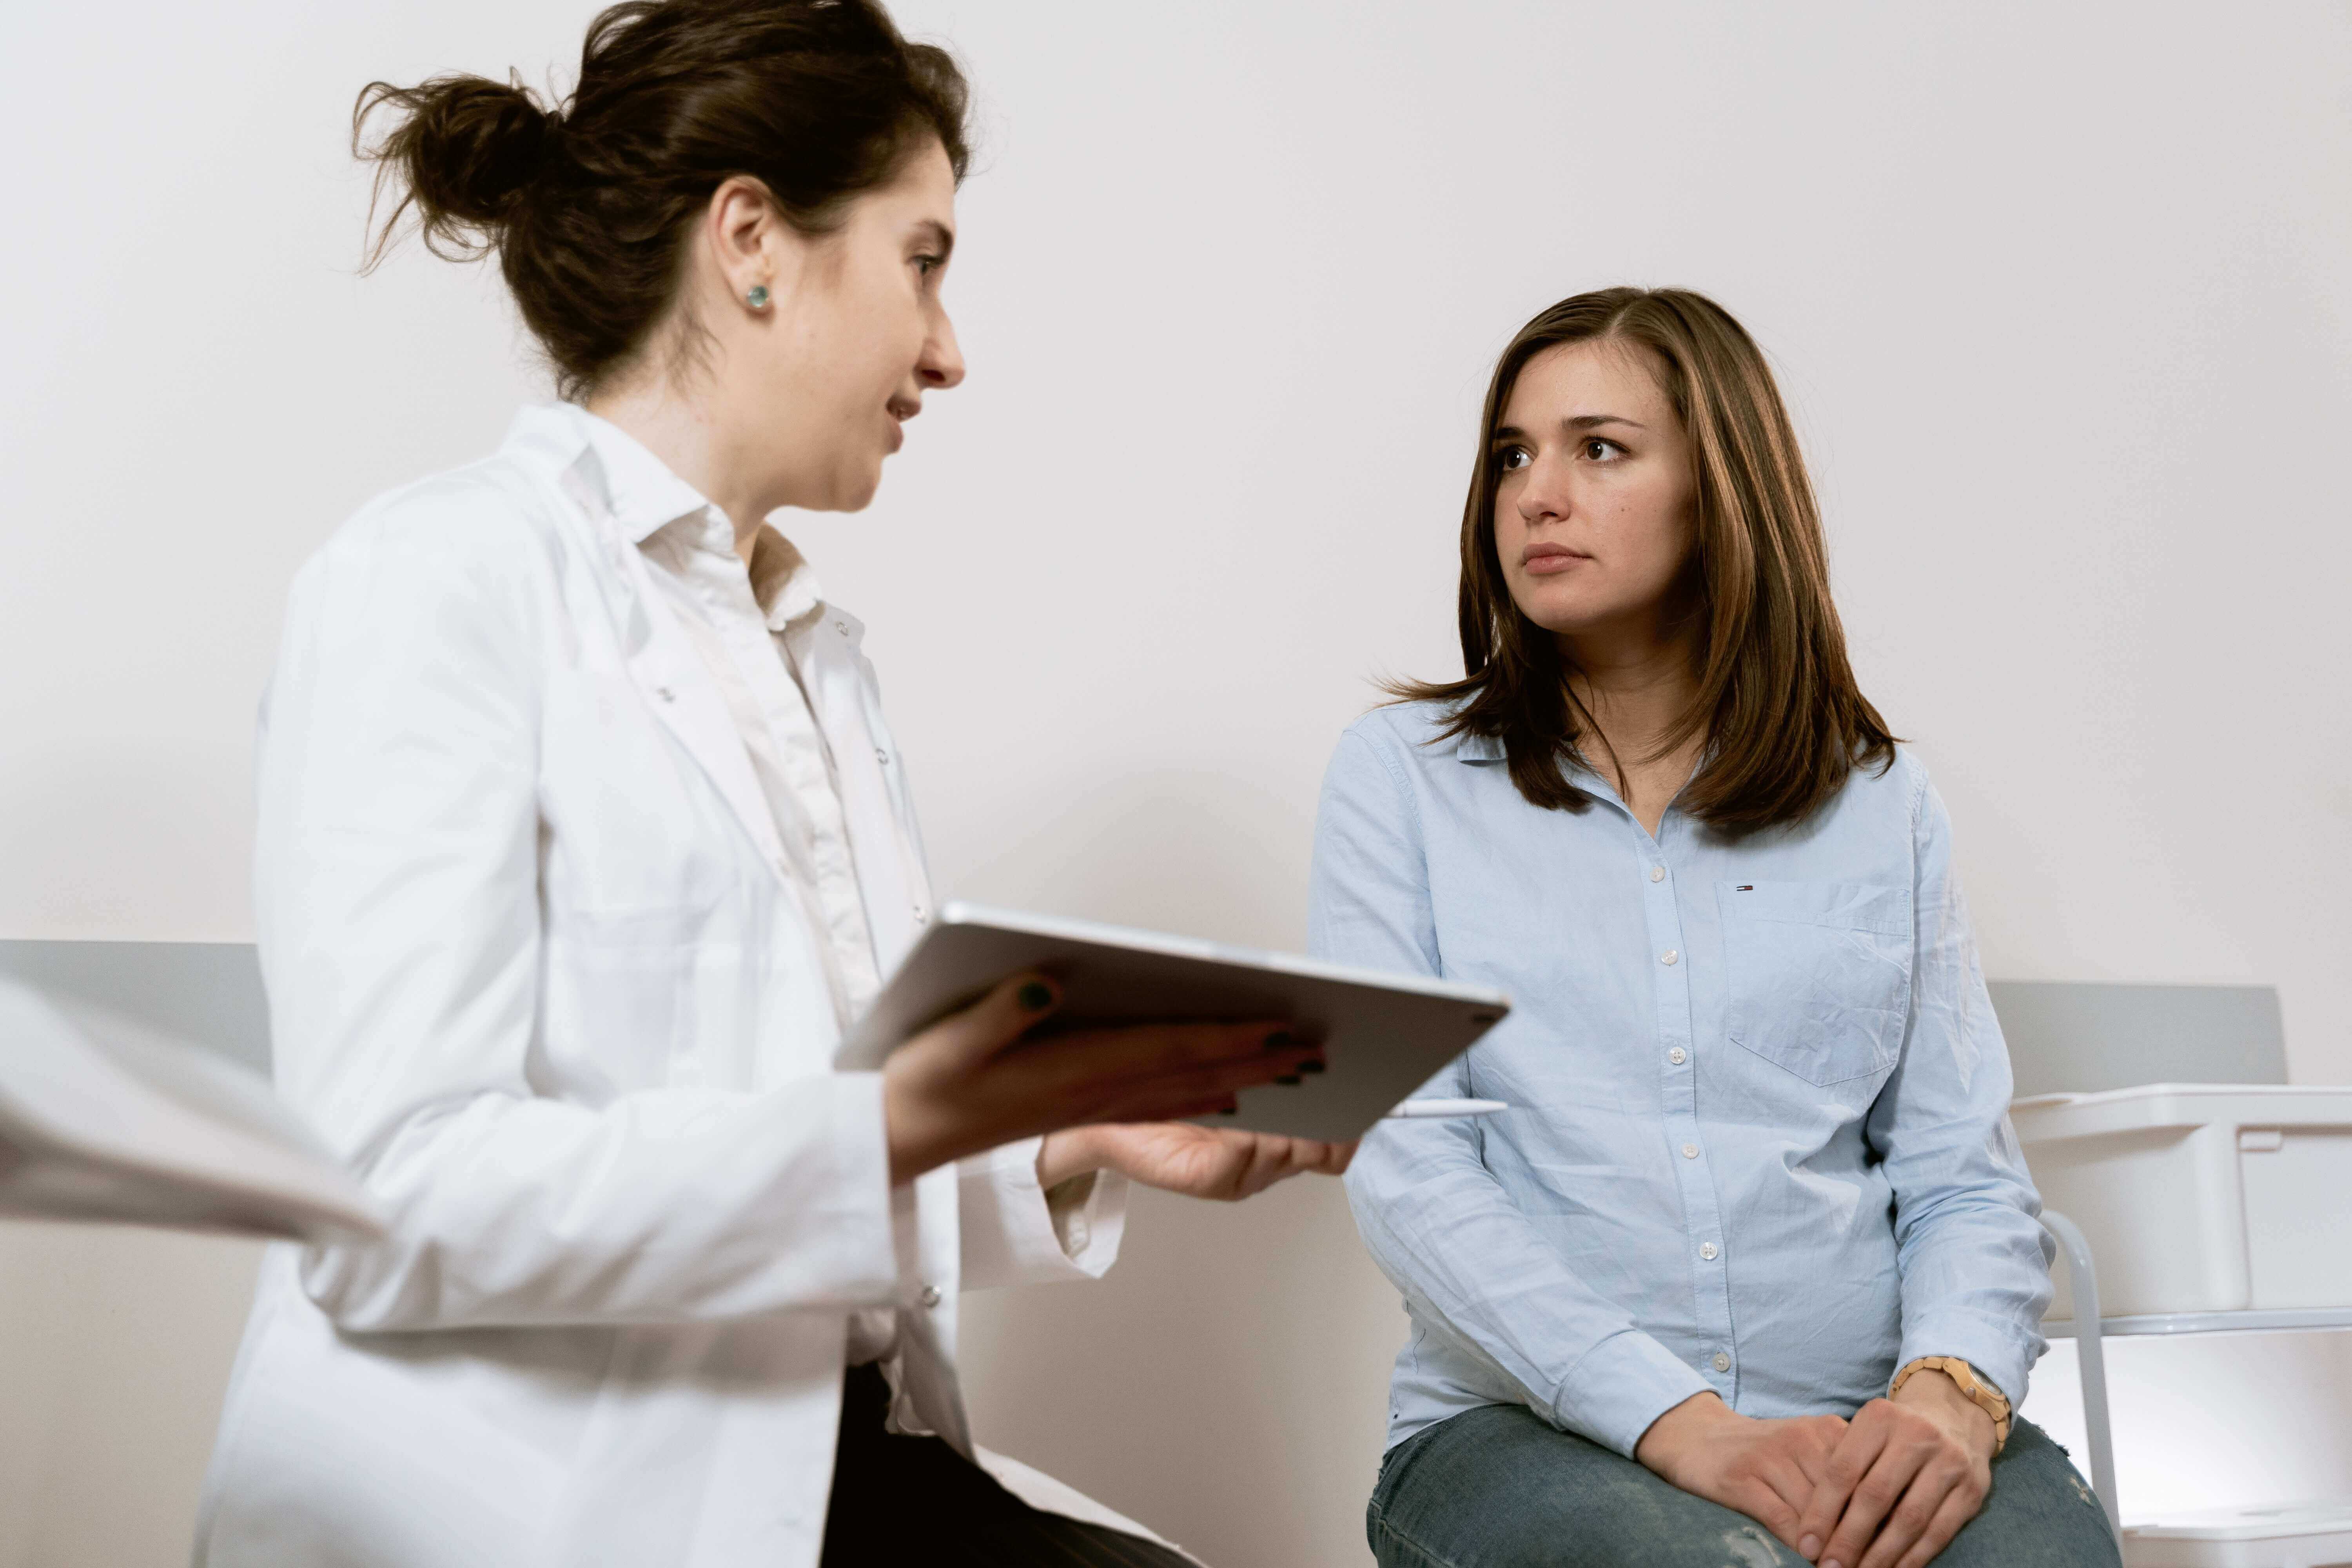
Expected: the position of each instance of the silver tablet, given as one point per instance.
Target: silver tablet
(1383, 1034)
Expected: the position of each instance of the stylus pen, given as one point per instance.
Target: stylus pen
(1415, 1108)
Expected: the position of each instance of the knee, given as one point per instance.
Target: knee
(2041, 1513)
(1600, 1538)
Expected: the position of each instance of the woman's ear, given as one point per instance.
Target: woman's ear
(743, 233)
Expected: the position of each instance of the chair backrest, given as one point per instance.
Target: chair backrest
(2070, 1037)
(206, 993)
(2064, 1036)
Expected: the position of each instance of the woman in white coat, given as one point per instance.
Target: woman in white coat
(582, 838)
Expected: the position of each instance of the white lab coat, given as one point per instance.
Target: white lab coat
(534, 970)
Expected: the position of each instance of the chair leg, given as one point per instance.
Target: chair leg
(2090, 1357)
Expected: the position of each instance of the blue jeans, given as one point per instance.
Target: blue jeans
(1498, 1488)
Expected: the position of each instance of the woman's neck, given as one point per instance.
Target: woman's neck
(1635, 687)
(681, 432)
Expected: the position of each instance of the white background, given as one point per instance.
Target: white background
(2059, 295)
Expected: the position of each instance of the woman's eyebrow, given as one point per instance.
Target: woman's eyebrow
(1575, 422)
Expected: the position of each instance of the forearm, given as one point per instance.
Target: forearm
(663, 1205)
(1977, 1293)
(1467, 1258)
(1974, 1260)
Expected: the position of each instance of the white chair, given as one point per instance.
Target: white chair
(2087, 1038)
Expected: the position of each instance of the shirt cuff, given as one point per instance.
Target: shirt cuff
(1013, 1235)
(1622, 1385)
(2002, 1352)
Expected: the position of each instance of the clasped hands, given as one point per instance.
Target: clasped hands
(1888, 1489)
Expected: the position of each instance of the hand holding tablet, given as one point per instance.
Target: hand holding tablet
(1379, 1035)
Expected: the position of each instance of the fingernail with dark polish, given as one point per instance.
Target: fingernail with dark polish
(1290, 1079)
(1036, 998)
(1280, 1039)
(1312, 1064)
(1229, 1111)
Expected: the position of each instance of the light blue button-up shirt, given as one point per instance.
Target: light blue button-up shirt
(1759, 1139)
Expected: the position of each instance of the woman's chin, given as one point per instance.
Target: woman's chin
(1568, 619)
(850, 492)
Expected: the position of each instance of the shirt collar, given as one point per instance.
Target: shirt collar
(782, 582)
(1490, 749)
(645, 498)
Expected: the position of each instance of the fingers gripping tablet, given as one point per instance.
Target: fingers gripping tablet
(1383, 1035)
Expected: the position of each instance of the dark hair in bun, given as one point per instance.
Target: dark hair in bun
(586, 204)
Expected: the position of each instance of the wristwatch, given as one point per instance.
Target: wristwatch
(1981, 1393)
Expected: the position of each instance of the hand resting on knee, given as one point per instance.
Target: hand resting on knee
(1771, 1470)
(1888, 1489)
(1908, 1474)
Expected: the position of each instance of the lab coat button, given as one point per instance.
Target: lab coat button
(1690, 1150)
(882, 756)
(1657, 873)
(1706, 1250)
(1722, 1362)
(664, 693)
(1678, 1055)
(1669, 956)
(930, 1295)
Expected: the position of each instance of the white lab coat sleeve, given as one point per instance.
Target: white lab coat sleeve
(1016, 1234)
(398, 903)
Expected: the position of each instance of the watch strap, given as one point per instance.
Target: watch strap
(1981, 1392)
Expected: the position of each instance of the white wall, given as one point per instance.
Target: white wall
(2058, 293)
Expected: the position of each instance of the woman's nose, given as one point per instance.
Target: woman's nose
(942, 361)
(1545, 496)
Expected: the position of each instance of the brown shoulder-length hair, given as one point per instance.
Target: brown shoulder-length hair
(1783, 721)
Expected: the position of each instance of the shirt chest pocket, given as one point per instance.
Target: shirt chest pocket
(1819, 974)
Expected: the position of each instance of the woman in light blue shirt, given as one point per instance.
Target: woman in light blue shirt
(1752, 1265)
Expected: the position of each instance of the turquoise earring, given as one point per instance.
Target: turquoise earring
(757, 298)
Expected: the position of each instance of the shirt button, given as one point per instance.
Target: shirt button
(919, 914)
(1669, 956)
(840, 627)
(664, 693)
(1678, 1055)
(1722, 1362)
(882, 756)
(930, 1295)
(1706, 1250)
(1657, 873)
(1690, 1150)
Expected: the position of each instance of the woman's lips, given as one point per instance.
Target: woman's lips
(1550, 560)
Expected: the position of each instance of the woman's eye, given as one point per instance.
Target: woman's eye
(1511, 457)
(1601, 450)
(926, 264)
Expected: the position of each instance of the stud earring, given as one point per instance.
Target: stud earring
(757, 298)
